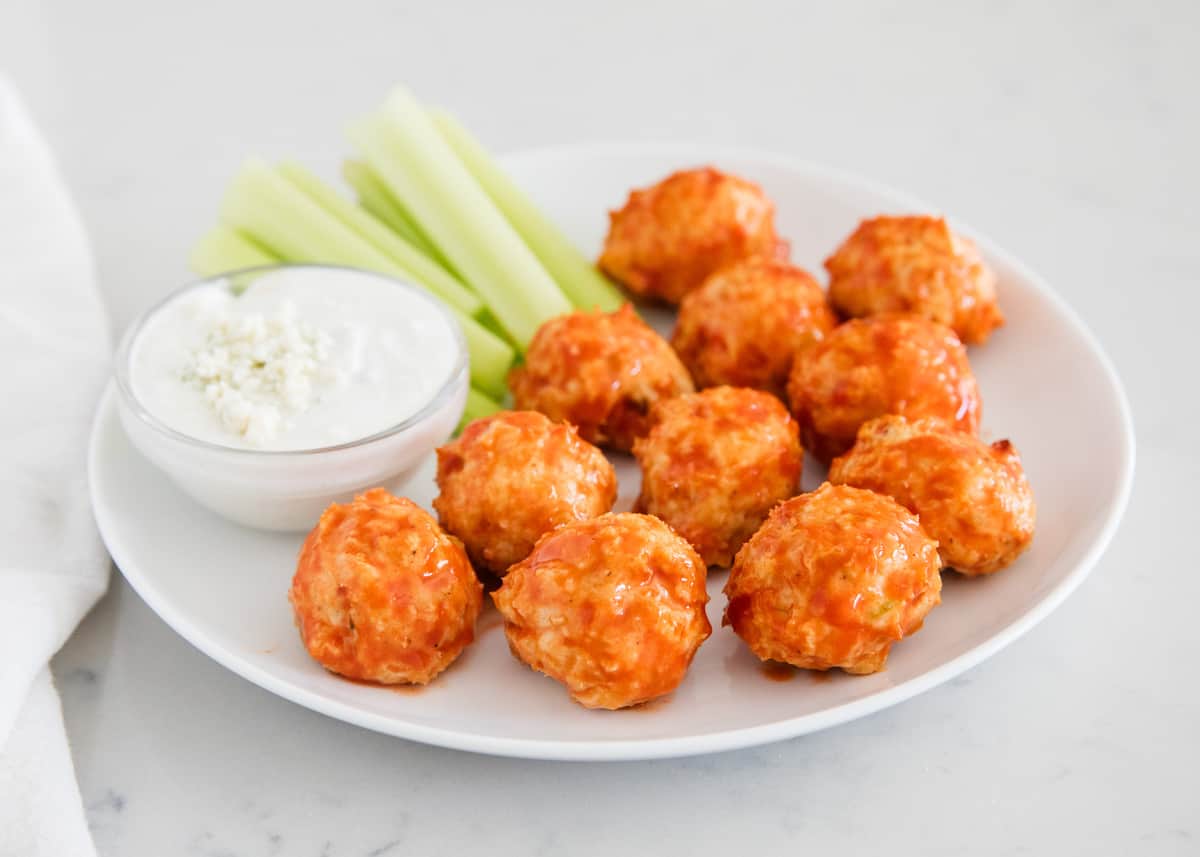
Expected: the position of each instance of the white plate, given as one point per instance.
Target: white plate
(1045, 383)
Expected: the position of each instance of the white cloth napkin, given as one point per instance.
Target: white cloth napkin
(54, 354)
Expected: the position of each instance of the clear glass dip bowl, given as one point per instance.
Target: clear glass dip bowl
(287, 490)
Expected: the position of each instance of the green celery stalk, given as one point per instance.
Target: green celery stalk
(403, 147)
(222, 249)
(267, 208)
(478, 405)
(579, 279)
(491, 357)
(417, 265)
(374, 197)
(261, 203)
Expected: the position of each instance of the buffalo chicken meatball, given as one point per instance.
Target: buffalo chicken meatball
(715, 462)
(514, 476)
(669, 237)
(973, 498)
(832, 579)
(612, 607)
(382, 594)
(599, 371)
(915, 264)
(745, 323)
(885, 364)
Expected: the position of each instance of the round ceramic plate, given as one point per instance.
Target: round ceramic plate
(1046, 385)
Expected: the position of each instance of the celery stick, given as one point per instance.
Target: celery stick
(374, 197)
(579, 279)
(286, 222)
(403, 147)
(261, 203)
(478, 405)
(222, 249)
(490, 322)
(491, 356)
(418, 266)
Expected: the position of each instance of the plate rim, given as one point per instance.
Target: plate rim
(707, 742)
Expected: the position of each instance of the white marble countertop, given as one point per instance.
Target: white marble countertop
(1068, 132)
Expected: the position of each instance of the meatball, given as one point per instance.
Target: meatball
(915, 264)
(973, 498)
(600, 372)
(514, 476)
(744, 324)
(612, 607)
(669, 237)
(382, 594)
(714, 463)
(885, 364)
(832, 579)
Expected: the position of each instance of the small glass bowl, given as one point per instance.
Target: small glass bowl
(288, 490)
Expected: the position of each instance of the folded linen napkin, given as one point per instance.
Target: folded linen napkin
(54, 358)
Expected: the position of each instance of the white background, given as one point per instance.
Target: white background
(1067, 132)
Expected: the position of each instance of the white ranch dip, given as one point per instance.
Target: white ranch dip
(304, 358)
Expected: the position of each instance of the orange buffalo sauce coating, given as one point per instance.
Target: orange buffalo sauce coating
(599, 371)
(971, 496)
(915, 264)
(382, 594)
(612, 607)
(514, 476)
(715, 462)
(743, 326)
(668, 237)
(870, 367)
(832, 579)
